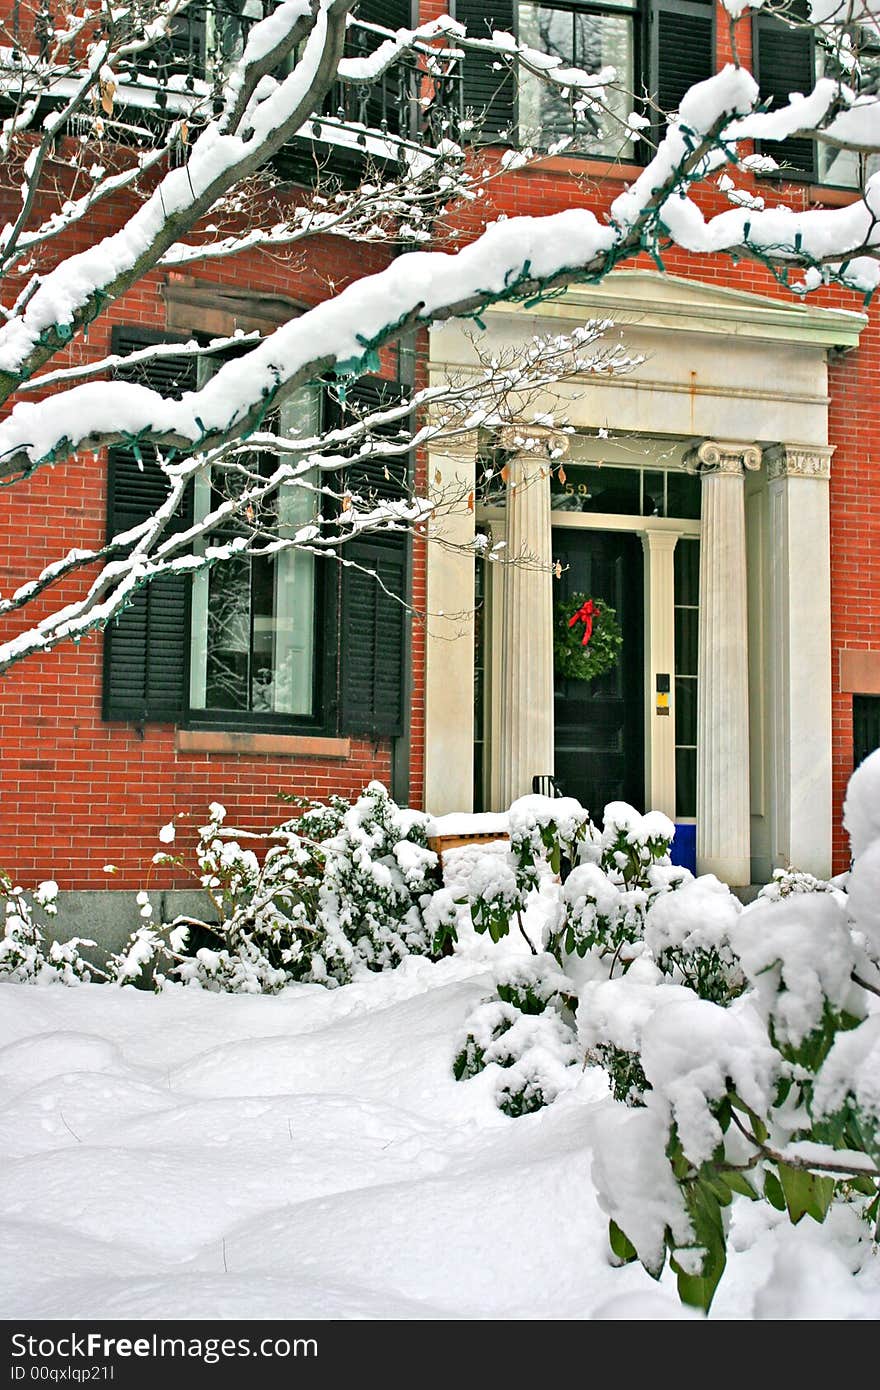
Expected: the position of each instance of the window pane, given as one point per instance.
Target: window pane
(686, 641)
(687, 622)
(606, 40)
(228, 636)
(590, 41)
(616, 490)
(686, 709)
(683, 495)
(687, 573)
(293, 654)
(652, 493)
(838, 167)
(544, 114)
(685, 781)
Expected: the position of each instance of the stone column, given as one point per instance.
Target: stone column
(449, 654)
(659, 548)
(723, 839)
(800, 656)
(526, 732)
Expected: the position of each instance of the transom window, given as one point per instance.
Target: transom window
(625, 491)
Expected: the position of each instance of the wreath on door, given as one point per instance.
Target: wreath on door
(587, 638)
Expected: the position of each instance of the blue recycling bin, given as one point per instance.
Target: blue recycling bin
(684, 847)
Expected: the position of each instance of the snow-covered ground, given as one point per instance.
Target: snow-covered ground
(200, 1155)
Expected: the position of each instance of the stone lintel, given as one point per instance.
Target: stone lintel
(859, 671)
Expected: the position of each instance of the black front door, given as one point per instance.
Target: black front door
(600, 735)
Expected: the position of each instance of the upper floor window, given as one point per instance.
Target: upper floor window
(658, 49)
(789, 57)
(586, 37)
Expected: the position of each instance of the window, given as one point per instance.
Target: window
(203, 40)
(298, 643)
(625, 491)
(788, 58)
(210, 35)
(480, 681)
(591, 38)
(659, 48)
(253, 619)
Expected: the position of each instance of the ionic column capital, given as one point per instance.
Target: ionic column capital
(459, 448)
(723, 456)
(799, 461)
(538, 441)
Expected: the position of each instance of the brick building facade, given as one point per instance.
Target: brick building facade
(80, 790)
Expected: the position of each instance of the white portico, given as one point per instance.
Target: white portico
(712, 459)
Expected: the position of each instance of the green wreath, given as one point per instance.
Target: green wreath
(570, 657)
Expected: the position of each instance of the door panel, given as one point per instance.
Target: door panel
(599, 724)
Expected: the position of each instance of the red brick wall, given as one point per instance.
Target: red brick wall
(77, 793)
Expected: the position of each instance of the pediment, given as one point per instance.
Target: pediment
(656, 300)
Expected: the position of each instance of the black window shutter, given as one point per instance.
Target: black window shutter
(146, 646)
(785, 62)
(373, 621)
(392, 14)
(488, 92)
(382, 476)
(373, 636)
(681, 49)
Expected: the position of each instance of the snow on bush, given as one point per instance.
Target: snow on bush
(341, 889)
(861, 808)
(740, 1045)
(25, 955)
(523, 1038)
(600, 906)
(799, 956)
(742, 1050)
(689, 936)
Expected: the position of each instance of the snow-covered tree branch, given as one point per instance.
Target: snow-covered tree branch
(503, 392)
(186, 154)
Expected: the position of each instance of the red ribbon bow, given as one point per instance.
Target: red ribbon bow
(585, 614)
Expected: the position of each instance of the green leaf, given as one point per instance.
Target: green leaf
(621, 1245)
(865, 1185)
(773, 1191)
(704, 1210)
(740, 1184)
(719, 1187)
(824, 1194)
(698, 1290)
(806, 1194)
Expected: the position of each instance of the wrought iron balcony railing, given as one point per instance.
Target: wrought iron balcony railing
(406, 101)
